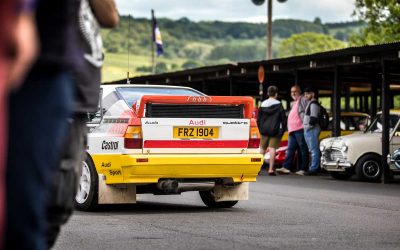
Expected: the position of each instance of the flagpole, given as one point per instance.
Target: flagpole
(153, 59)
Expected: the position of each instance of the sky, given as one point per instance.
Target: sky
(239, 10)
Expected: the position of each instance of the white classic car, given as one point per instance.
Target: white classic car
(360, 153)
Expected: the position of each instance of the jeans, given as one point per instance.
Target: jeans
(65, 182)
(312, 140)
(296, 141)
(38, 121)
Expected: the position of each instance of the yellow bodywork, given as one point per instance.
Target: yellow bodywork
(140, 169)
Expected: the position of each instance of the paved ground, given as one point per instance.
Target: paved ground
(284, 212)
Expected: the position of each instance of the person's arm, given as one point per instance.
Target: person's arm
(106, 12)
(283, 119)
(314, 114)
(26, 45)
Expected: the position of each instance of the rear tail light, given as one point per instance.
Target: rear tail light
(133, 137)
(254, 137)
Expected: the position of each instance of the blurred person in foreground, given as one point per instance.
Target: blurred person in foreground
(296, 134)
(17, 52)
(271, 121)
(93, 14)
(38, 113)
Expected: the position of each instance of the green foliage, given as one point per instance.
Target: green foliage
(383, 21)
(190, 44)
(190, 64)
(161, 67)
(308, 43)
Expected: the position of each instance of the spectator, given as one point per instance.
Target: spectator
(312, 130)
(296, 134)
(87, 81)
(17, 51)
(271, 121)
(38, 113)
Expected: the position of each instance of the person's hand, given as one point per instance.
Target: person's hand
(106, 12)
(26, 48)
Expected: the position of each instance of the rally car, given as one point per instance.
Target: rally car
(150, 139)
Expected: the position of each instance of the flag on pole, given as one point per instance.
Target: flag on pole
(157, 37)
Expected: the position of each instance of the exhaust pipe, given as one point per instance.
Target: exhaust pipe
(168, 186)
(173, 186)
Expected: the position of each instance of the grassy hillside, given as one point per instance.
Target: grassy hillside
(190, 44)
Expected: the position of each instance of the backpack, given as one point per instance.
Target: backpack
(323, 117)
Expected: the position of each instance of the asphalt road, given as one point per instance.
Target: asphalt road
(284, 212)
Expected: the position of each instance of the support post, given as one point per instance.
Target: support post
(269, 31)
(385, 121)
(347, 99)
(374, 98)
(153, 59)
(361, 99)
(336, 102)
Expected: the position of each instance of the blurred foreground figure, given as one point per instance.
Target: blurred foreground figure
(93, 14)
(38, 114)
(17, 51)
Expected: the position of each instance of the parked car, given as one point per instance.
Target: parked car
(360, 153)
(165, 140)
(350, 122)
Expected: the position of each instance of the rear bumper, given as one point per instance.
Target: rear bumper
(141, 169)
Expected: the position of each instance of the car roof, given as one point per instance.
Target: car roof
(347, 113)
(108, 88)
(392, 112)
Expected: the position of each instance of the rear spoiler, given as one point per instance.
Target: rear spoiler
(247, 101)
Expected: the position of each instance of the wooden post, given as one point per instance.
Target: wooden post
(336, 102)
(385, 121)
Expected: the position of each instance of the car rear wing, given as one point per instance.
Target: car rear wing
(246, 101)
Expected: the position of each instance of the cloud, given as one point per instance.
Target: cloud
(239, 10)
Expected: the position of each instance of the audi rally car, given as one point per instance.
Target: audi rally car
(149, 139)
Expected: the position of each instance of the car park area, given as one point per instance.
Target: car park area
(283, 212)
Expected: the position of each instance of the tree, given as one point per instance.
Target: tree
(383, 21)
(161, 67)
(308, 43)
(191, 64)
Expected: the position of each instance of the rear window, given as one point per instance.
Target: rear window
(133, 94)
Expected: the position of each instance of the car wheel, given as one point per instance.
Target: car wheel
(342, 175)
(86, 198)
(369, 168)
(208, 198)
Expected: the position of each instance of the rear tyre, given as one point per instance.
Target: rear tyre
(208, 198)
(86, 198)
(369, 168)
(342, 175)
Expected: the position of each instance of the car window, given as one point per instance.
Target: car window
(133, 94)
(351, 123)
(376, 125)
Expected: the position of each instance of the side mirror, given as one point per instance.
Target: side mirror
(134, 107)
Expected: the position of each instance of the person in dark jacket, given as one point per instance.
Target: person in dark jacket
(93, 15)
(271, 121)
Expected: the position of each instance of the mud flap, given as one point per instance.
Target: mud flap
(231, 193)
(112, 194)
